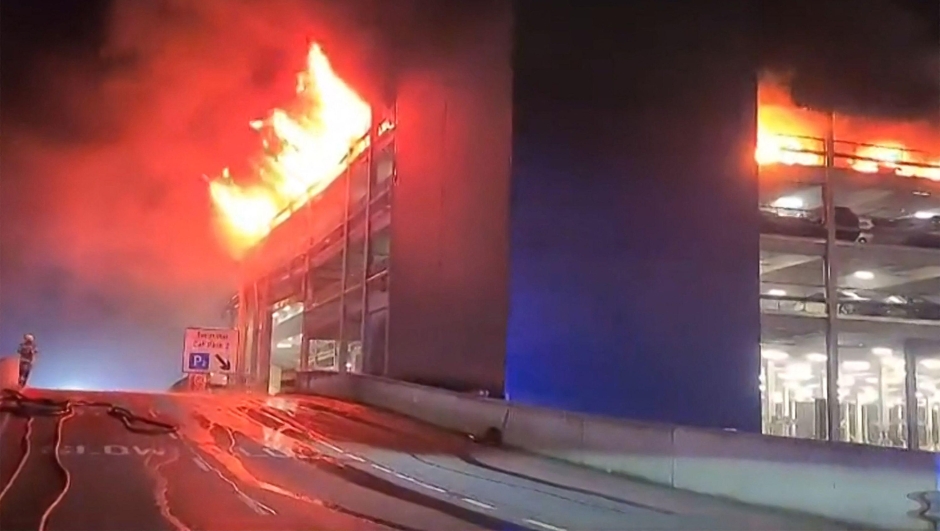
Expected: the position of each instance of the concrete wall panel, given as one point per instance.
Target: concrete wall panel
(450, 215)
(635, 242)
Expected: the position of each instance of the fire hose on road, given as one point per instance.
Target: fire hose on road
(20, 405)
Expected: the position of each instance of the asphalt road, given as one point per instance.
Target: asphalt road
(258, 463)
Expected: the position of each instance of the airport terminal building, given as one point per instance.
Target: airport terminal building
(472, 244)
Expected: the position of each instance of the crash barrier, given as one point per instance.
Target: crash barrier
(9, 372)
(325, 383)
(868, 486)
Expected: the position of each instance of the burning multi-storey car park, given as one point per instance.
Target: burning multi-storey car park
(850, 310)
(694, 258)
(423, 169)
(338, 275)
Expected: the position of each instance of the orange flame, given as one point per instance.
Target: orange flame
(789, 135)
(308, 151)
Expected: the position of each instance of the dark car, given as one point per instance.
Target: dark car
(871, 304)
(809, 223)
(913, 231)
(788, 222)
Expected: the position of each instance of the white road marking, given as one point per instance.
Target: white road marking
(382, 468)
(355, 457)
(543, 525)
(419, 482)
(333, 447)
(430, 487)
(257, 507)
(480, 504)
(201, 464)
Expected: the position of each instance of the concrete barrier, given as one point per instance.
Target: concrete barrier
(447, 409)
(9, 372)
(863, 485)
(848, 482)
(633, 448)
(326, 383)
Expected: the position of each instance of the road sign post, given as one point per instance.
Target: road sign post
(197, 382)
(209, 350)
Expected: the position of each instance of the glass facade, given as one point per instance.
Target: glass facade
(850, 292)
(324, 306)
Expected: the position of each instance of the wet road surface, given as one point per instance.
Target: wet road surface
(240, 462)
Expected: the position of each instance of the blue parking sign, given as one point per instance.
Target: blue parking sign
(198, 361)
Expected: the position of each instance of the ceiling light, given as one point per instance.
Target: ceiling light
(925, 214)
(802, 395)
(789, 201)
(893, 378)
(856, 365)
(283, 344)
(930, 363)
(816, 357)
(871, 380)
(773, 354)
(897, 363)
(777, 293)
(882, 352)
(864, 275)
(868, 396)
(791, 377)
(799, 368)
(797, 373)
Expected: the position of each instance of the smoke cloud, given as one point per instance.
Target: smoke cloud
(108, 247)
(108, 242)
(872, 58)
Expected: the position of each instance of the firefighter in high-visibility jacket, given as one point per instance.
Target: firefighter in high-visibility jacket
(27, 352)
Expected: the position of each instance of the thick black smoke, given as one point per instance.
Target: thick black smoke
(875, 58)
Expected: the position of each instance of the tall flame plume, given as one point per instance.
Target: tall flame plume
(304, 150)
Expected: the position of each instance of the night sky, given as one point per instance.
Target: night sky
(111, 112)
